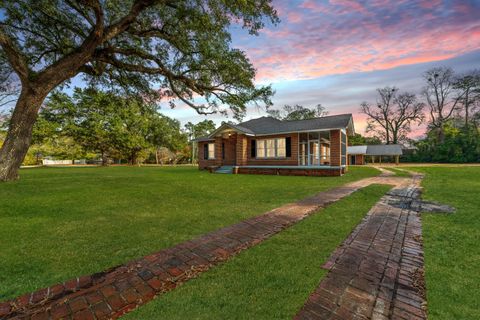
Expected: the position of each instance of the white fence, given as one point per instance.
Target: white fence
(48, 162)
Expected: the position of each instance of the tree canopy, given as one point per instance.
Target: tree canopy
(106, 124)
(200, 129)
(298, 112)
(179, 50)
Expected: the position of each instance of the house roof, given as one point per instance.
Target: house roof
(270, 125)
(203, 139)
(357, 150)
(376, 150)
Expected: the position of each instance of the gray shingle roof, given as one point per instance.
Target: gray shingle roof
(384, 150)
(269, 125)
(377, 150)
(357, 150)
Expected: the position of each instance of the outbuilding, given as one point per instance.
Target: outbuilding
(360, 155)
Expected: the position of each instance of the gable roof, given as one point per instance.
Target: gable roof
(377, 150)
(270, 125)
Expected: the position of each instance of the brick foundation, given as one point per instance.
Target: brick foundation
(292, 172)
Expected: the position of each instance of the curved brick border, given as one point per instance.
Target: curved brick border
(114, 292)
(377, 273)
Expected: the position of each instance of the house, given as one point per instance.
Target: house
(358, 155)
(266, 145)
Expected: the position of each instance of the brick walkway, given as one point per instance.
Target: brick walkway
(377, 273)
(114, 292)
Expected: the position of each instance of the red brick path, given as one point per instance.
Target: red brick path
(378, 271)
(114, 292)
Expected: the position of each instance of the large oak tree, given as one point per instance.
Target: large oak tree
(157, 48)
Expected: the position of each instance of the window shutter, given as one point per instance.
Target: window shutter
(253, 148)
(205, 151)
(288, 147)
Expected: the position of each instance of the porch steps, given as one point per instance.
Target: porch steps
(225, 170)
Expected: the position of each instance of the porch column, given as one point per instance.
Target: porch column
(346, 153)
(218, 151)
(241, 150)
(335, 148)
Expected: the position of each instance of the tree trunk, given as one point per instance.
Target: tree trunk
(19, 135)
(440, 135)
(104, 159)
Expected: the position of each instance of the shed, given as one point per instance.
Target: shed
(357, 154)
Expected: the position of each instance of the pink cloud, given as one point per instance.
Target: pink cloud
(326, 40)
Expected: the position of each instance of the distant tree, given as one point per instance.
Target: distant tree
(441, 98)
(358, 140)
(107, 124)
(460, 145)
(298, 112)
(197, 130)
(167, 135)
(468, 88)
(182, 47)
(200, 129)
(393, 115)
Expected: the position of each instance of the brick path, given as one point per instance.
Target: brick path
(377, 273)
(114, 292)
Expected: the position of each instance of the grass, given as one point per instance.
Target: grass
(271, 280)
(60, 223)
(452, 243)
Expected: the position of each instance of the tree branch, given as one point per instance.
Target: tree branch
(14, 56)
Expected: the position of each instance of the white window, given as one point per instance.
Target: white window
(271, 148)
(211, 151)
(261, 149)
(281, 148)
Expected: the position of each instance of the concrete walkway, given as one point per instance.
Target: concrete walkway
(378, 271)
(114, 292)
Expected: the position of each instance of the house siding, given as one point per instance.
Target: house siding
(293, 172)
(335, 148)
(359, 159)
(204, 163)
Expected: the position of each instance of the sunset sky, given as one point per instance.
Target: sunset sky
(338, 52)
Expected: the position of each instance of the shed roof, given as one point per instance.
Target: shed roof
(357, 150)
(384, 150)
(377, 150)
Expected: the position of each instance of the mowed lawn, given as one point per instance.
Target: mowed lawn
(452, 243)
(273, 279)
(59, 223)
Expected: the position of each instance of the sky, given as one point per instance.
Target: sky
(338, 52)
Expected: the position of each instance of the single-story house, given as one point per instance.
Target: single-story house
(267, 145)
(357, 155)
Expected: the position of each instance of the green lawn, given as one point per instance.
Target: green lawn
(452, 243)
(59, 223)
(271, 280)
